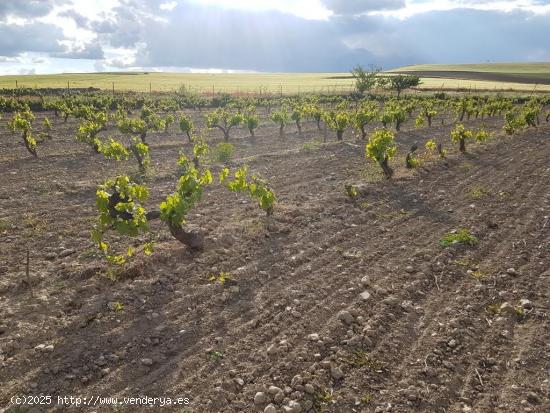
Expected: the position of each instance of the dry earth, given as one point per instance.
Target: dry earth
(335, 305)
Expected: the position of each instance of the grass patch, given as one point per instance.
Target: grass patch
(366, 399)
(460, 237)
(4, 225)
(309, 146)
(372, 173)
(364, 205)
(34, 226)
(351, 191)
(324, 396)
(477, 192)
(221, 278)
(215, 356)
(358, 359)
(477, 274)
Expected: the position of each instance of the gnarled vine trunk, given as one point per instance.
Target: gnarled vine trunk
(31, 150)
(363, 133)
(388, 171)
(193, 238)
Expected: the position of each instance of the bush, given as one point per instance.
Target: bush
(223, 152)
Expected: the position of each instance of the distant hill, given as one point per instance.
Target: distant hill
(527, 73)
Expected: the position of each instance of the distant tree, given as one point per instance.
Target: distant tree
(365, 80)
(400, 83)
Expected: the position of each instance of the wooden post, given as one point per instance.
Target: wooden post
(16, 84)
(150, 90)
(113, 88)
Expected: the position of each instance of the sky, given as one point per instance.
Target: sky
(55, 36)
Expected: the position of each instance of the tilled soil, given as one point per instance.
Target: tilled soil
(333, 305)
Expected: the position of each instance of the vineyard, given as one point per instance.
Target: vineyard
(314, 253)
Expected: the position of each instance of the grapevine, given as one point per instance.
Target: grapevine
(224, 120)
(22, 122)
(381, 148)
(256, 187)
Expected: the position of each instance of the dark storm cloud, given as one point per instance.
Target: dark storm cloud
(204, 37)
(195, 36)
(31, 37)
(361, 6)
(466, 36)
(27, 8)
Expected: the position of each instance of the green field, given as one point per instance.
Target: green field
(273, 83)
(524, 77)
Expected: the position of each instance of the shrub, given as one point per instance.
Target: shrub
(223, 152)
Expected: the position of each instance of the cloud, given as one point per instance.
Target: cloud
(30, 37)
(246, 35)
(352, 7)
(27, 8)
(79, 19)
(510, 36)
(195, 36)
(92, 51)
(126, 25)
